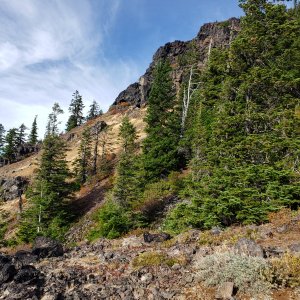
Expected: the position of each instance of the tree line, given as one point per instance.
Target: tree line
(15, 143)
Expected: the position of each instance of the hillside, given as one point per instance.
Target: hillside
(194, 189)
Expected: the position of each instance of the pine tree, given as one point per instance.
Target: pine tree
(94, 111)
(82, 165)
(21, 136)
(52, 125)
(128, 135)
(126, 186)
(160, 147)
(33, 136)
(246, 150)
(47, 213)
(11, 141)
(76, 109)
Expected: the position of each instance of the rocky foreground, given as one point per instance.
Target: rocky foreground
(193, 265)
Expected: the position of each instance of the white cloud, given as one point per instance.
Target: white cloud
(48, 49)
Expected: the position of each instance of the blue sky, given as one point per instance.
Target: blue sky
(50, 48)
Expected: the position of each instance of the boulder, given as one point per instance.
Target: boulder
(11, 188)
(7, 273)
(4, 259)
(28, 275)
(225, 291)
(248, 247)
(45, 247)
(156, 237)
(23, 258)
(294, 247)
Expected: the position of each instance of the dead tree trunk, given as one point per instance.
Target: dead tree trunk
(187, 95)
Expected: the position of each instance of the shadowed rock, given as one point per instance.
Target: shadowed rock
(45, 247)
(156, 237)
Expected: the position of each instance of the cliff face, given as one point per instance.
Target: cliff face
(215, 35)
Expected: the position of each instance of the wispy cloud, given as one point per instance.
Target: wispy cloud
(50, 48)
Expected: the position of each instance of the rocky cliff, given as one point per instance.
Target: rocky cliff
(214, 35)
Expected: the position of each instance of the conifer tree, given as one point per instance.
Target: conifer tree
(47, 213)
(126, 186)
(160, 154)
(76, 109)
(52, 125)
(11, 143)
(21, 135)
(246, 152)
(33, 136)
(82, 164)
(94, 111)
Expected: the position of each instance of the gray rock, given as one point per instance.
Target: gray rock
(7, 273)
(225, 291)
(216, 231)
(156, 237)
(249, 247)
(45, 247)
(283, 228)
(294, 247)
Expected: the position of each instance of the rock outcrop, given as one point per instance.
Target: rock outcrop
(214, 35)
(11, 188)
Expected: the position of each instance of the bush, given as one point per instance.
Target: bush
(158, 194)
(245, 272)
(285, 271)
(153, 259)
(112, 221)
(183, 217)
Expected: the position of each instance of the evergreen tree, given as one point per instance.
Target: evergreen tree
(160, 147)
(126, 186)
(128, 135)
(47, 213)
(246, 150)
(11, 143)
(21, 136)
(82, 164)
(52, 125)
(94, 111)
(76, 109)
(33, 136)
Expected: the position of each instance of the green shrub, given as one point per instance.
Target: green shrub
(153, 259)
(183, 217)
(112, 221)
(245, 272)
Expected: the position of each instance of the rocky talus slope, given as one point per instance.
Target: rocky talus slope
(130, 268)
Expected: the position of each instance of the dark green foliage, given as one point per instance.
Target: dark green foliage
(47, 213)
(128, 136)
(76, 109)
(11, 143)
(246, 133)
(21, 136)
(33, 136)
(94, 111)
(126, 184)
(83, 164)
(112, 221)
(160, 147)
